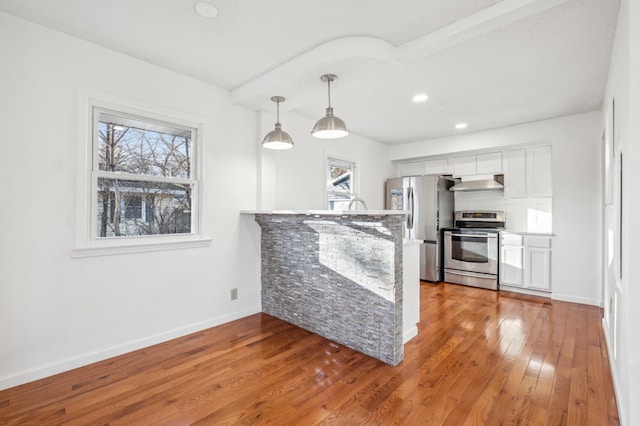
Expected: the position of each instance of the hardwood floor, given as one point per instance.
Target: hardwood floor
(481, 357)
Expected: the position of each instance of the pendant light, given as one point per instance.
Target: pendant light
(277, 138)
(329, 126)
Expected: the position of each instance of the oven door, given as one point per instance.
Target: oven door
(473, 251)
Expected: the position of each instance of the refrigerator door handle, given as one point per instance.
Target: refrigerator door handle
(410, 199)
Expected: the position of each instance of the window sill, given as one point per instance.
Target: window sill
(109, 248)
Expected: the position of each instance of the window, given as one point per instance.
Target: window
(139, 172)
(142, 176)
(341, 183)
(133, 207)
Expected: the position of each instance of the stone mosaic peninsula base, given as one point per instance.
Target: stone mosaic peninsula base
(337, 276)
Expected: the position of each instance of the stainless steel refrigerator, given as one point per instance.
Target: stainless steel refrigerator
(431, 208)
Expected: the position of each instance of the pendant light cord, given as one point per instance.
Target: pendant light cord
(329, 91)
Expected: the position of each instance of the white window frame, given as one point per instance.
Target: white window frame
(87, 242)
(354, 175)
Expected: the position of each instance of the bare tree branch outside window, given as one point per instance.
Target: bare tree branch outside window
(340, 183)
(160, 201)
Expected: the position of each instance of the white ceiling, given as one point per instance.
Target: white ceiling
(488, 63)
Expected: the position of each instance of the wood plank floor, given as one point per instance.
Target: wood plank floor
(481, 358)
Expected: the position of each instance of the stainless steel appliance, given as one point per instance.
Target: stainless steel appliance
(431, 208)
(490, 183)
(471, 249)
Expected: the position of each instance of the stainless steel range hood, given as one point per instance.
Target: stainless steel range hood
(483, 183)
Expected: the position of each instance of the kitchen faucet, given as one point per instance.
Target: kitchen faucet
(360, 200)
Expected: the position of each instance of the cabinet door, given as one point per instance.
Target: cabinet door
(511, 263)
(488, 164)
(539, 172)
(436, 167)
(464, 166)
(538, 273)
(411, 169)
(515, 173)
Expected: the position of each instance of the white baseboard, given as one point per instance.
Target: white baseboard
(577, 299)
(554, 296)
(70, 363)
(409, 333)
(522, 290)
(614, 373)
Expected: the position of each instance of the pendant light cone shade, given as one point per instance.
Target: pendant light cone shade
(329, 126)
(277, 138)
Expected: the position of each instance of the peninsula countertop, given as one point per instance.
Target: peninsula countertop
(329, 212)
(339, 274)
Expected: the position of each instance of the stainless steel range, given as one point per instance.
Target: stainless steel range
(471, 249)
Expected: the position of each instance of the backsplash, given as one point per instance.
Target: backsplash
(522, 214)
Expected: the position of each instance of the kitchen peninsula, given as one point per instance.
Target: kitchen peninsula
(339, 274)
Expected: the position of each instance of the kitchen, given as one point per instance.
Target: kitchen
(469, 253)
(36, 255)
(477, 182)
(565, 135)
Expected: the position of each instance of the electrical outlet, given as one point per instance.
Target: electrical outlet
(234, 293)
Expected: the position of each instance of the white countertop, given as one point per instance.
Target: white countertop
(329, 212)
(528, 233)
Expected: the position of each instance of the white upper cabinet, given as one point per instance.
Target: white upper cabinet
(464, 166)
(515, 173)
(411, 169)
(539, 171)
(481, 164)
(438, 166)
(489, 164)
(527, 172)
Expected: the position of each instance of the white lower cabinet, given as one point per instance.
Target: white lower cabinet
(537, 264)
(525, 262)
(511, 265)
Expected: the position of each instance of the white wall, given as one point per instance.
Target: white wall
(622, 326)
(576, 158)
(296, 178)
(57, 312)
(521, 214)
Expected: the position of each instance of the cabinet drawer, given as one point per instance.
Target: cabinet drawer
(539, 242)
(512, 240)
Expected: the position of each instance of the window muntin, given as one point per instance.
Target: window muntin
(340, 183)
(143, 176)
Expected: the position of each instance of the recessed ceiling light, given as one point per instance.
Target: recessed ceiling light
(421, 97)
(461, 126)
(206, 9)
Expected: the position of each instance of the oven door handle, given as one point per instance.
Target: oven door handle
(475, 235)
